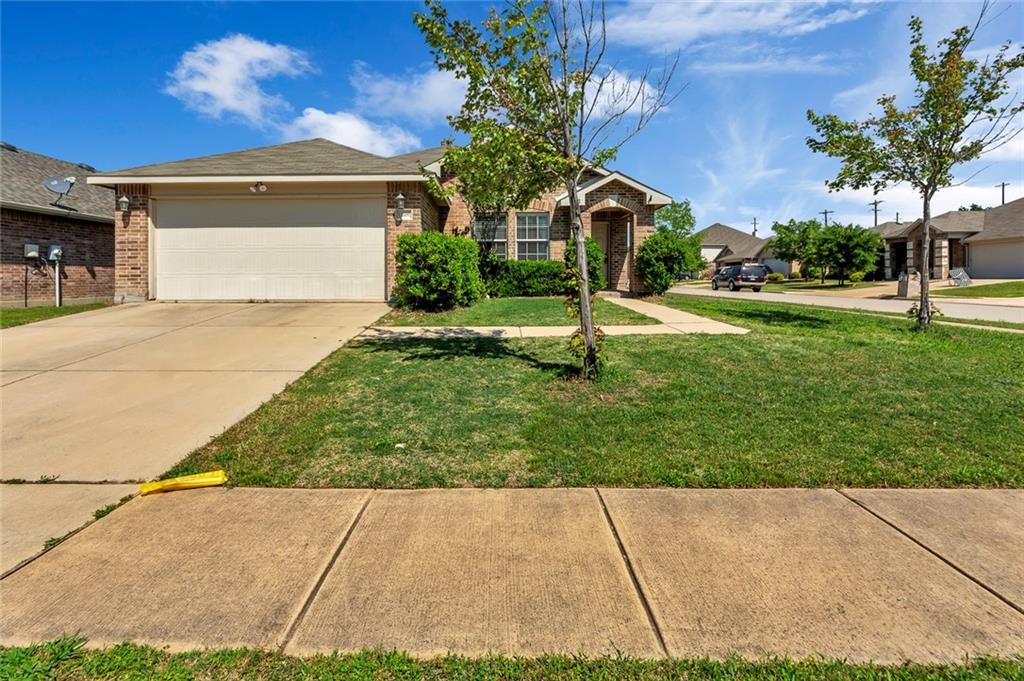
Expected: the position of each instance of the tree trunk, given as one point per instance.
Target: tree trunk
(586, 312)
(924, 312)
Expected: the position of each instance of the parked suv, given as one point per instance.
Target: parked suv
(736, 277)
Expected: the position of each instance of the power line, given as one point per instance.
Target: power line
(826, 213)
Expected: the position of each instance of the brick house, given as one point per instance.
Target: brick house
(81, 223)
(315, 220)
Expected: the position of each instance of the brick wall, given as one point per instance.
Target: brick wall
(131, 252)
(87, 270)
(420, 213)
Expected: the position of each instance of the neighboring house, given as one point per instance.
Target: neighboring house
(82, 224)
(988, 244)
(315, 220)
(724, 245)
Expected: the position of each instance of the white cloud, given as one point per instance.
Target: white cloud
(768, 61)
(620, 91)
(421, 96)
(670, 26)
(351, 130)
(223, 77)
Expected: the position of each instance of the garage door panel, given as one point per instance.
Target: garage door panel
(311, 212)
(210, 261)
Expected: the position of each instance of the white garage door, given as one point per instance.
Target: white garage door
(997, 260)
(269, 249)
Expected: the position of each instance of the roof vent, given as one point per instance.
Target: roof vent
(86, 166)
(8, 146)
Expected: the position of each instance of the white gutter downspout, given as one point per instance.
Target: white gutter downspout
(629, 253)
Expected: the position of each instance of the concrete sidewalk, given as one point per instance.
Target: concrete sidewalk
(884, 575)
(949, 306)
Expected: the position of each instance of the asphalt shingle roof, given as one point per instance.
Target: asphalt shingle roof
(23, 172)
(1002, 222)
(738, 244)
(309, 157)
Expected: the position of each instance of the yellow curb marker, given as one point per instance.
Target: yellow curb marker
(211, 479)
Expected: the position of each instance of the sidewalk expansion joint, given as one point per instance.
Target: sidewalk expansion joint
(947, 561)
(651, 619)
(315, 591)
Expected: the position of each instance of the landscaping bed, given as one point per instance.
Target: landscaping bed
(515, 312)
(811, 397)
(16, 316)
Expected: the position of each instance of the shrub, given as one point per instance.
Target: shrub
(857, 276)
(595, 262)
(660, 261)
(795, 274)
(507, 278)
(437, 271)
(776, 276)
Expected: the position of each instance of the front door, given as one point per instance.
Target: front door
(599, 231)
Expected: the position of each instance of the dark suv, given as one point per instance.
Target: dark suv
(737, 276)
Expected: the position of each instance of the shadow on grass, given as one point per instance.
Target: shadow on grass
(446, 349)
(777, 317)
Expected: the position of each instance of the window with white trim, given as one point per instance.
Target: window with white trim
(491, 231)
(533, 234)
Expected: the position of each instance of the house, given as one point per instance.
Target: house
(31, 215)
(724, 245)
(316, 220)
(988, 244)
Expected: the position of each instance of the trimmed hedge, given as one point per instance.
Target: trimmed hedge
(595, 262)
(660, 261)
(513, 278)
(437, 271)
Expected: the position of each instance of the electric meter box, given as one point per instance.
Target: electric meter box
(31, 250)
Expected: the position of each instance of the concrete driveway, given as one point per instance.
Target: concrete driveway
(121, 394)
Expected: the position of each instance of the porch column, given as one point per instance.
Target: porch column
(131, 245)
(941, 268)
(888, 261)
(910, 257)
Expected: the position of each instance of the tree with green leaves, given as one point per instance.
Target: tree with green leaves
(797, 240)
(676, 219)
(971, 208)
(542, 108)
(845, 249)
(961, 110)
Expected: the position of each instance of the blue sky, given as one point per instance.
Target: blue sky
(123, 84)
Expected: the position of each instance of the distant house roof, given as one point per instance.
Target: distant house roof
(1002, 222)
(888, 230)
(952, 222)
(310, 158)
(735, 244)
(22, 187)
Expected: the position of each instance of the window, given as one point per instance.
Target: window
(532, 235)
(492, 233)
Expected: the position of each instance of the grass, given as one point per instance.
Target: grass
(16, 316)
(515, 312)
(811, 397)
(1009, 289)
(67, 659)
(797, 285)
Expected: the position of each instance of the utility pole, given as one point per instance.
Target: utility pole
(755, 226)
(826, 213)
(874, 205)
(1002, 186)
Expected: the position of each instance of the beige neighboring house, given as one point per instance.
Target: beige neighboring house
(316, 220)
(987, 244)
(724, 245)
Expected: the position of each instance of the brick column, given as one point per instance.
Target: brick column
(889, 274)
(412, 223)
(131, 245)
(941, 268)
(910, 257)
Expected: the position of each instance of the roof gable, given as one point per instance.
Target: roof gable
(654, 197)
(735, 242)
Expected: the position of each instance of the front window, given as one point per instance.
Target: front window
(533, 233)
(491, 231)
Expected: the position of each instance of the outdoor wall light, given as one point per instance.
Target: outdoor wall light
(124, 203)
(258, 187)
(399, 207)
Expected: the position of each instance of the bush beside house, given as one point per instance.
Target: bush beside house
(437, 271)
(661, 260)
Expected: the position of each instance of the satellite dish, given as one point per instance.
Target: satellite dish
(59, 184)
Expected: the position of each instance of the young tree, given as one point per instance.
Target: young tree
(676, 219)
(848, 248)
(961, 110)
(542, 108)
(797, 240)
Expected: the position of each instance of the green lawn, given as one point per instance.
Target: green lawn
(816, 285)
(65, 659)
(515, 312)
(16, 316)
(811, 397)
(1009, 289)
